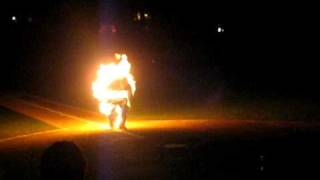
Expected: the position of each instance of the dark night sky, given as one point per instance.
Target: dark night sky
(178, 56)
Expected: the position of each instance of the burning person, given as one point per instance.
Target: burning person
(114, 88)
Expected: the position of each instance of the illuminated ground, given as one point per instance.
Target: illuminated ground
(157, 149)
(15, 124)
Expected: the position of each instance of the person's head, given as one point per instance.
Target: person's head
(62, 160)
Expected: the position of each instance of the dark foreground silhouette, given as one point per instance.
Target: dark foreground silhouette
(62, 160)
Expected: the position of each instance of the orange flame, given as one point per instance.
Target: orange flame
(107, 74)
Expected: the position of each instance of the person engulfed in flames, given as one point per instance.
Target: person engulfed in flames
(114, 88)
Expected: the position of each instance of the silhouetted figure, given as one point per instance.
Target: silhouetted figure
(62, 160)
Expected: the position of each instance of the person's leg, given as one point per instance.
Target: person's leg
(124, 117)
(112, 118)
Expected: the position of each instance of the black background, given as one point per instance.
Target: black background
(178, 56)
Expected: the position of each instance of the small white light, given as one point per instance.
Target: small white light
(13, 18)
(138, 16)
(146, 15)
(261, 168)
(220, 30)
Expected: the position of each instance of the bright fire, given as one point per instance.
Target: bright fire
(105, 92)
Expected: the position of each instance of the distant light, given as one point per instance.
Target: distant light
(138, 16)
(220, 29)
(13, 18)
(146, 15)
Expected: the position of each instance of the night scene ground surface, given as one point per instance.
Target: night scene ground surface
(224, 90)
(155, 149)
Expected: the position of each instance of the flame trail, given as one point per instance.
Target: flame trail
(105, 92)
